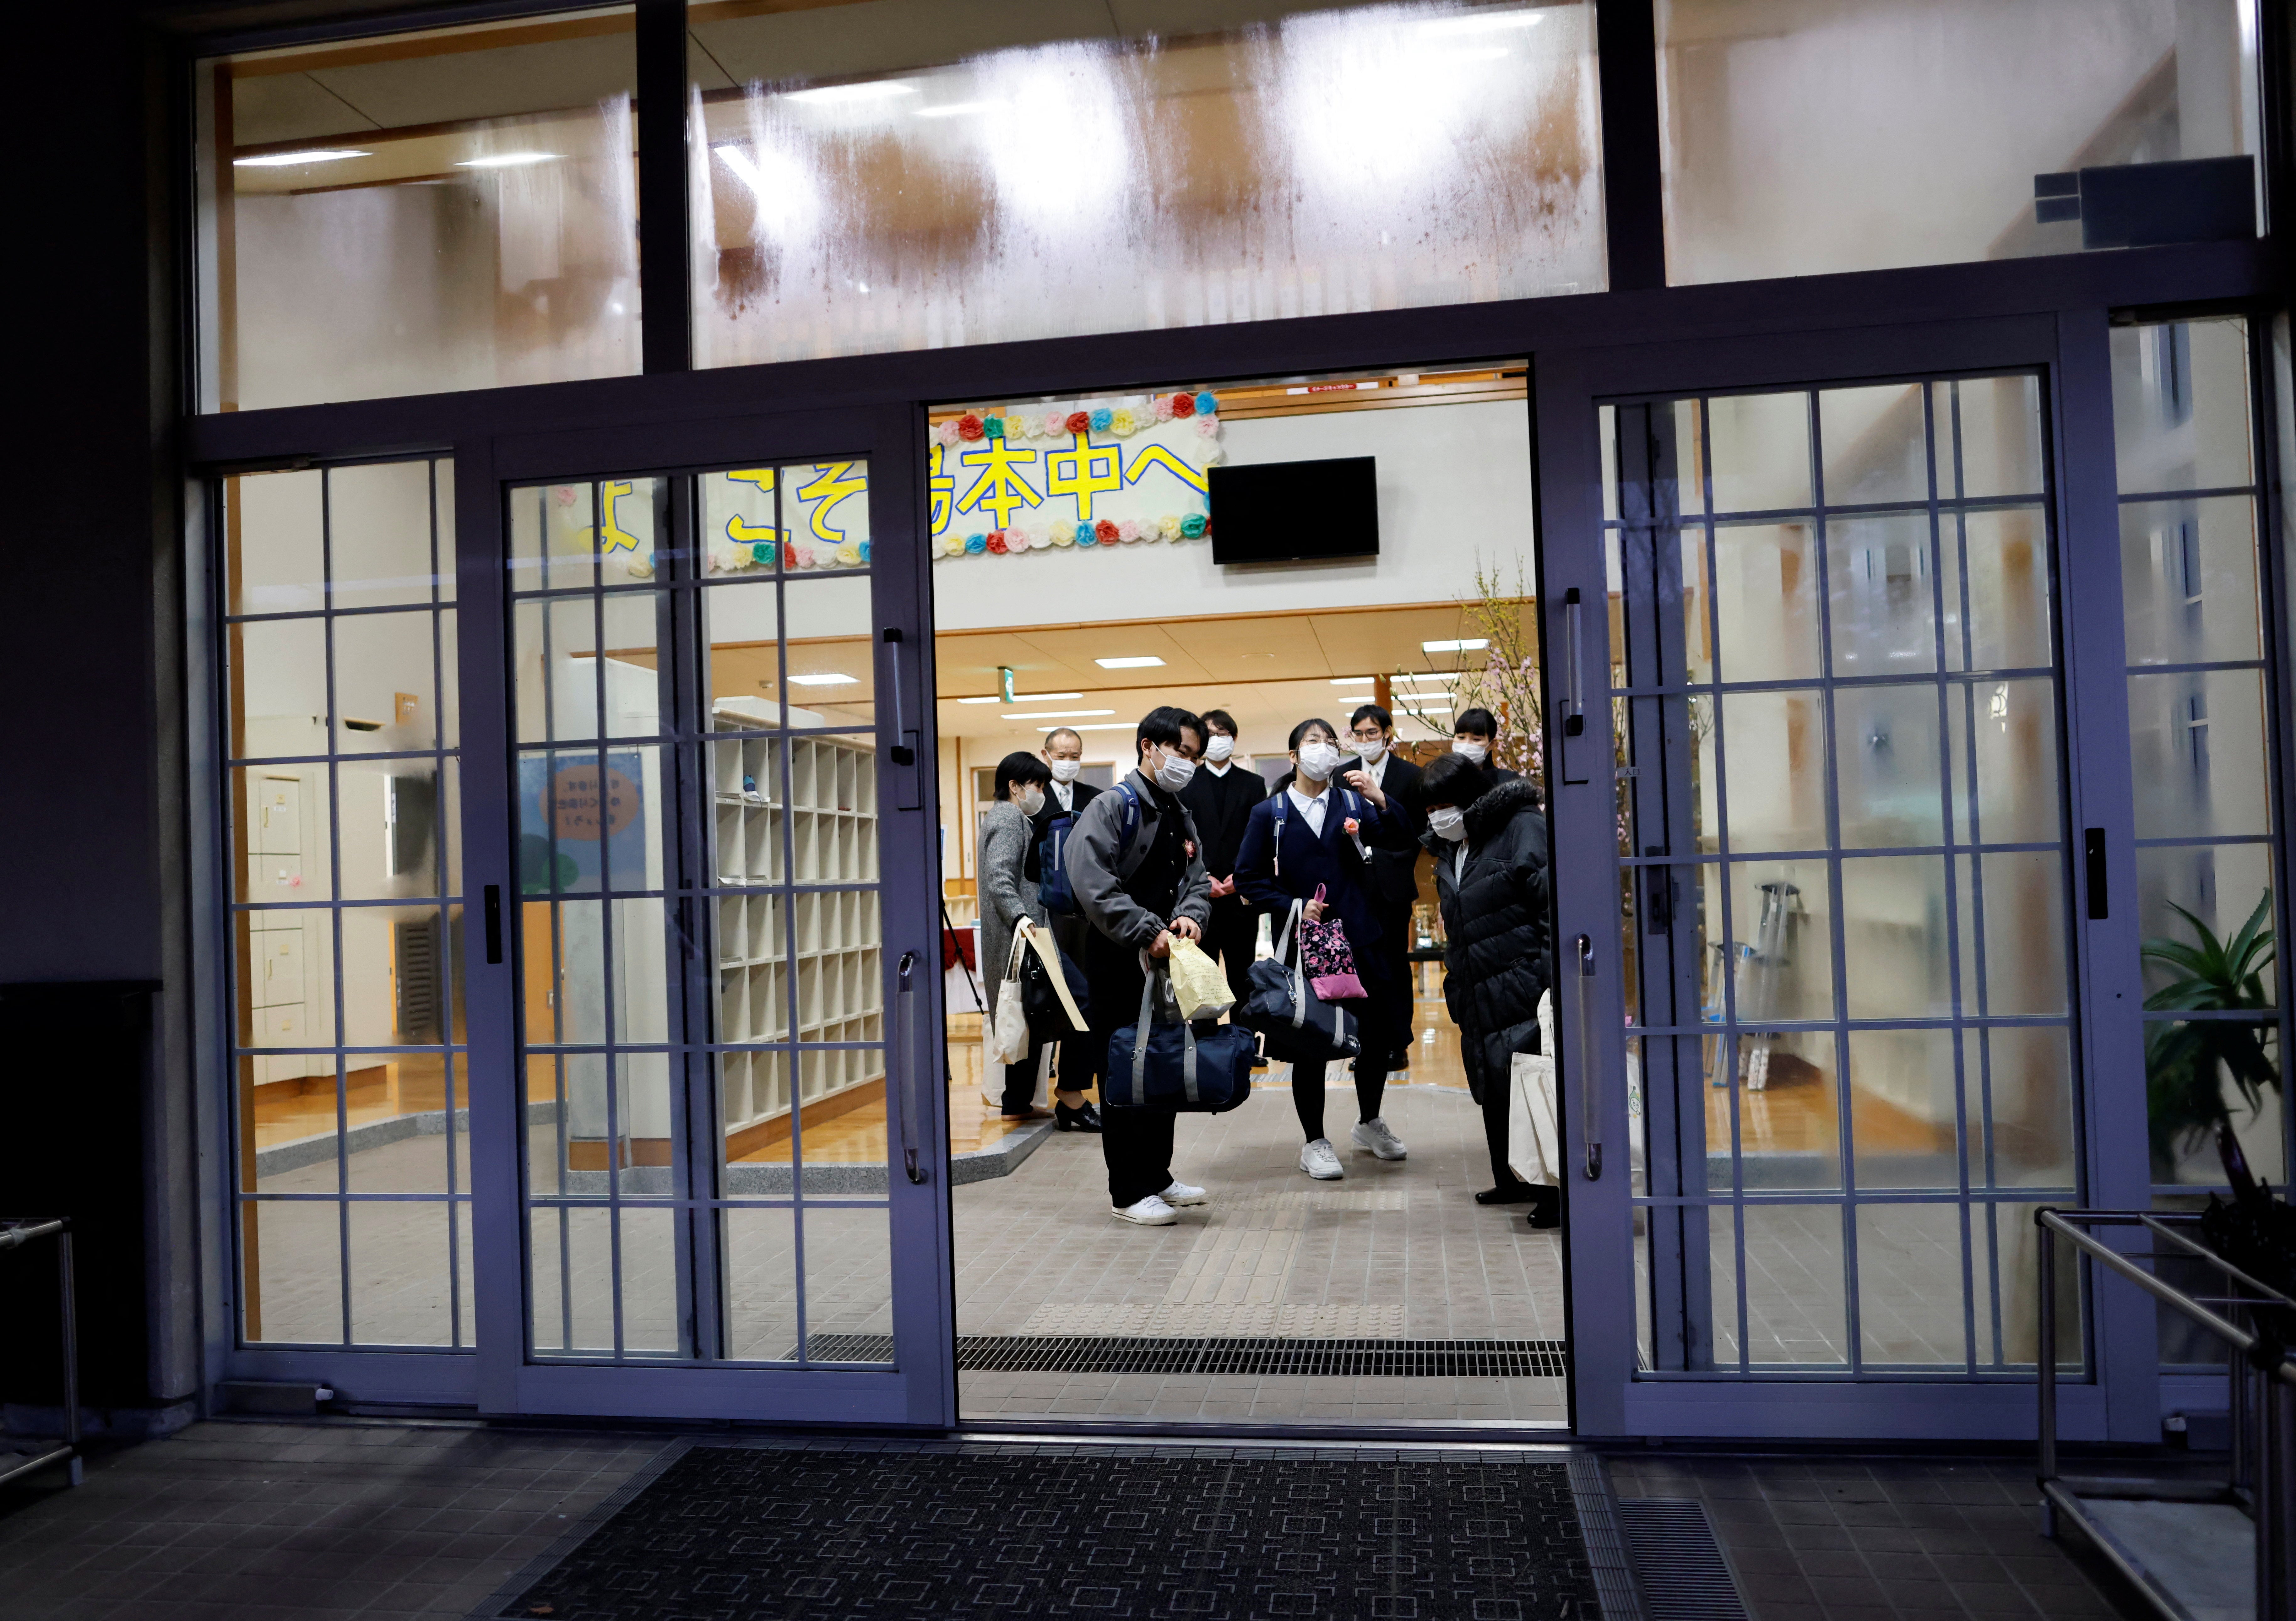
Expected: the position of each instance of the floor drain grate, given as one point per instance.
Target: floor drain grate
(1677, 1563)
(1268, 1357)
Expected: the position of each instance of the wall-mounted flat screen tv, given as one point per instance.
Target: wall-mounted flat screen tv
(1295, 512)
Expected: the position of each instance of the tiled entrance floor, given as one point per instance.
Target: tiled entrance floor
(326, 1522)
(1396, 1250)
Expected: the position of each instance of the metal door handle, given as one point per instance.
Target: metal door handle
(1590, 1061)
(1574, 711)
(906, 1055)
(494, 922)
(901, 753)
(2093, 843)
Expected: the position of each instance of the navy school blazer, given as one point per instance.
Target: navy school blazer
(1272, 880)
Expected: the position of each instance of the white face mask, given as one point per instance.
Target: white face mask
(1065, 771)
(1477, 752)
(1448, 823)
(1032, 800)
(1371, 752)
(1217, 750)
(1318, 761)
(1175, 772)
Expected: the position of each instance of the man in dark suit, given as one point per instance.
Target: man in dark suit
(1394, 872)
(1219, 797)
(1077, 1064)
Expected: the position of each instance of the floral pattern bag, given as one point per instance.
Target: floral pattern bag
(1330, 961)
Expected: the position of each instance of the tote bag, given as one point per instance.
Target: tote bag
(1330, 959)
(1534, 1138)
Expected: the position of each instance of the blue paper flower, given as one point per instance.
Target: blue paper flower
(1085, 536)
(995, 426)
(865, 550)
(1206, 404)
(762, 553)
(1101, 419)
(976, 543)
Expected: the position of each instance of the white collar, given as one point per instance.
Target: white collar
(1220, 768)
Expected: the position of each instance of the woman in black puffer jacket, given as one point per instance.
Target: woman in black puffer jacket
(1488, 839)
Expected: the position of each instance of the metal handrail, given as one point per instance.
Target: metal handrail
(2269, 1498)
(15, 1233)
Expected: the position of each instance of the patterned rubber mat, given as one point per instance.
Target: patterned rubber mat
(1273, 1358)
(745, 1533)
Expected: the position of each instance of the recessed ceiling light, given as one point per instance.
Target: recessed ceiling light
(956, 110)
(1149, 662)
(825, 680)
(508, 160)
(1118, 726)
(1055, 714)
(1451, 676)
(284, 160)
(1024, 698)
(1469, 646)
(874, 90)
(1354, 681)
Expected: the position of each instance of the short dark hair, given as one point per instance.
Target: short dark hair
(1020, 767)
(1478, 721)
(1454, 780)
(1221, 718)
(1300, 731)
(1063, 731)
(1371, 711)
(1163, 725)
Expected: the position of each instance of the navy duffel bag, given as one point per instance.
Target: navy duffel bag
(1160, 1059)
(1295, 1024)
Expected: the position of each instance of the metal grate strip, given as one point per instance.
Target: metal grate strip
(1270, 1356)
(1677, 1563)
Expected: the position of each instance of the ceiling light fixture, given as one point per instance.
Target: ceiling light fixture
(508, 160)
(1474, 644)
(874, 90)
(956, 110)
(1056, 714)
(1148, 662)
(1024, 698)
(1452, 675)
(286, 160)
(1354, 681)
(825, 681)
(1118, 726)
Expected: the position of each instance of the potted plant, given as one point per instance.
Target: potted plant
(2185, 1062)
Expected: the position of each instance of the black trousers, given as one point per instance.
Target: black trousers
(1307, 1094)
(1233, 936)
(1137, 1144)
(1395, 925)
(1020, 1080)
(1075, 1066)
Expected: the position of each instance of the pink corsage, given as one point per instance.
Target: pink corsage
(1163, 407)
(1352, 826)
(970, 427)
(1183, 404)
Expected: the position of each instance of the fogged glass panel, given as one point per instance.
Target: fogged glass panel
(450, 208)
(895, 175)
(2202, 744)
(341, 798)
(1993, 129)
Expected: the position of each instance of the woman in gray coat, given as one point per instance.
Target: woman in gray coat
(1008, 892)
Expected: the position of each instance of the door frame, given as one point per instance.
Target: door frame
(2118, 1400)
(920, 1389)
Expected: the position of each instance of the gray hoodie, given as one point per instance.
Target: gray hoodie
(1093, 866)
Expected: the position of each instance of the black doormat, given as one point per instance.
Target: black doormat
(765, 1534)
(1271, 1356)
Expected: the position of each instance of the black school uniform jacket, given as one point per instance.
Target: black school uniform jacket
(1220, 806)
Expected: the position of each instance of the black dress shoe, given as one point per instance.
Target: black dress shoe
(1506, 1193)
(1547, 1208)
(1081, 1119)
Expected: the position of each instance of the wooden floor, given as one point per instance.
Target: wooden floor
(1797, 1113)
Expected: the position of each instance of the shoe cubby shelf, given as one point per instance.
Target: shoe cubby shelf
(813, 961)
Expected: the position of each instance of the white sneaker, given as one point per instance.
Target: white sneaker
(1150, 1212)
(1181, 1193)
(1374, 1136)
(1321, 1161)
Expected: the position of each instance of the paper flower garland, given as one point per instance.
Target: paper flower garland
(1121, 421)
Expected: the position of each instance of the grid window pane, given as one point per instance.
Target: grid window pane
(345, 966)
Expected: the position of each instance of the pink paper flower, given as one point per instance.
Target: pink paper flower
(1127, 531)
(1208, 426)
(1018, 540)
(1052, 422)
(1163, 407)
(946, 432)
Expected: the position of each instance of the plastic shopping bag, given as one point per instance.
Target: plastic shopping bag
(1534, 1135)
(1197, 981)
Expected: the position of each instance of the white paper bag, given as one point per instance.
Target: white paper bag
(1534, 1139)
